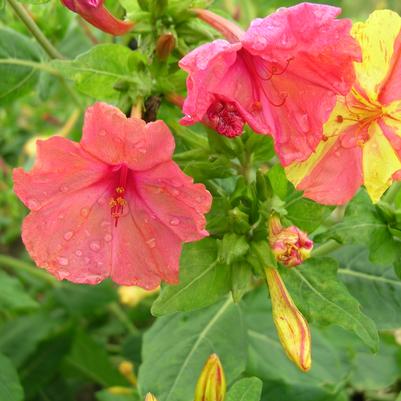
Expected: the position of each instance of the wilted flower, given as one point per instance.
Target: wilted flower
(96, 14)
(292, 328)
(281, 76)
(114, 204)
(211, 384)
(289, 245)
(362, 137)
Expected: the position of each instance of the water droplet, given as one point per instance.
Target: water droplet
(175, 192)
(64, 188)
(102, 132)
(151, 242)
(142, 150)
(62, 261)
(33, 204)
(108, 237)
(78, 252)
(60, 216)
(62, 274)
(175, 221)
(84, 212)
(303, 122)
(101, 201)
(200, 199)
(94, 245)
(68, 235)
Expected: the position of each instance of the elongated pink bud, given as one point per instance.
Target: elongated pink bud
(231, 31)
(289, 245)
(292, 328)
(211, 384)
(97, 15)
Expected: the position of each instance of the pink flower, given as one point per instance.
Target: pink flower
(114, 204)
(281, 76)
(96, 14)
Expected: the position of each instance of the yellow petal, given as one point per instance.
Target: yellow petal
(292, 327)
(376, 37)
(380, 162)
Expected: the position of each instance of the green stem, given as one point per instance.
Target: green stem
(328, 247)
(33, 64)
(116, 309)
(19, 265)
(35, 30)
(392, 192)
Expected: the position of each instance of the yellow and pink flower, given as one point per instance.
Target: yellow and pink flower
(362, 137)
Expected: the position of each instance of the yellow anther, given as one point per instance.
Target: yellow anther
(120, 190)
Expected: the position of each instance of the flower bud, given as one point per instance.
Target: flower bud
(290, 245)
(211, 384)
(126, 368)
(150, 397)
(96, 14)
(292, 328)
(132, 296)
(165, 45)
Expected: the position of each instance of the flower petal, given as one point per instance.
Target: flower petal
(69, 236)
(206, 65)
(61, 167)
(379, 60)
(113, 138)
(380, 162)
(175, 200)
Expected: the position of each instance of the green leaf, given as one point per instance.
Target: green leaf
(20, 78)
(249, 389)
(232, 248)
(10, 386)
(305, 213)
(177, 346)
(377, 288)
(91, 359)
(278, 180)
(362, 224)
(325, 300)
(203, 280)
(110, 395)
(13, 296)
(97, 71)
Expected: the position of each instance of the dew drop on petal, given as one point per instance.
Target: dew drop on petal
(60, 216)
(62, 274)
(175, 192)
(102, 132)
(108, 237)
(200, 199)
(78, 252)
(64, 188)
(94, 245)
(62, 261)
(101, 201)
(68, 235)
(33, 204)
(84, 212)
(151, 242)
(175, 221)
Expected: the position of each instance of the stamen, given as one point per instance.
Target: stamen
(118, 202)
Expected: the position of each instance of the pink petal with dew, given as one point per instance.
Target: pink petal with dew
(61, 167)
(206, 65)
(176, 200)
(113, 138)
(336, 177)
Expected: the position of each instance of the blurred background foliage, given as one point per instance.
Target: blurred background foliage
(64, 342)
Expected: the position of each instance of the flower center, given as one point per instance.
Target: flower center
(225, 118)
(117, 202)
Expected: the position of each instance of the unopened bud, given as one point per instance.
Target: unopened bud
(211, 384)
(126, 368)
(150, 397)
(132, 296)
(292, 328)
(165, 45)
(290, 245)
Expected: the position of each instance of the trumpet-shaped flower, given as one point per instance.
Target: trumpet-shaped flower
(114, 204)
(96, 14)
(362, 137)
(281, 76)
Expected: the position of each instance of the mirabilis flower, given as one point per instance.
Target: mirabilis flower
(114, 204)
(290, 246)
(96, 14)
(362, 142)
(281, 76)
